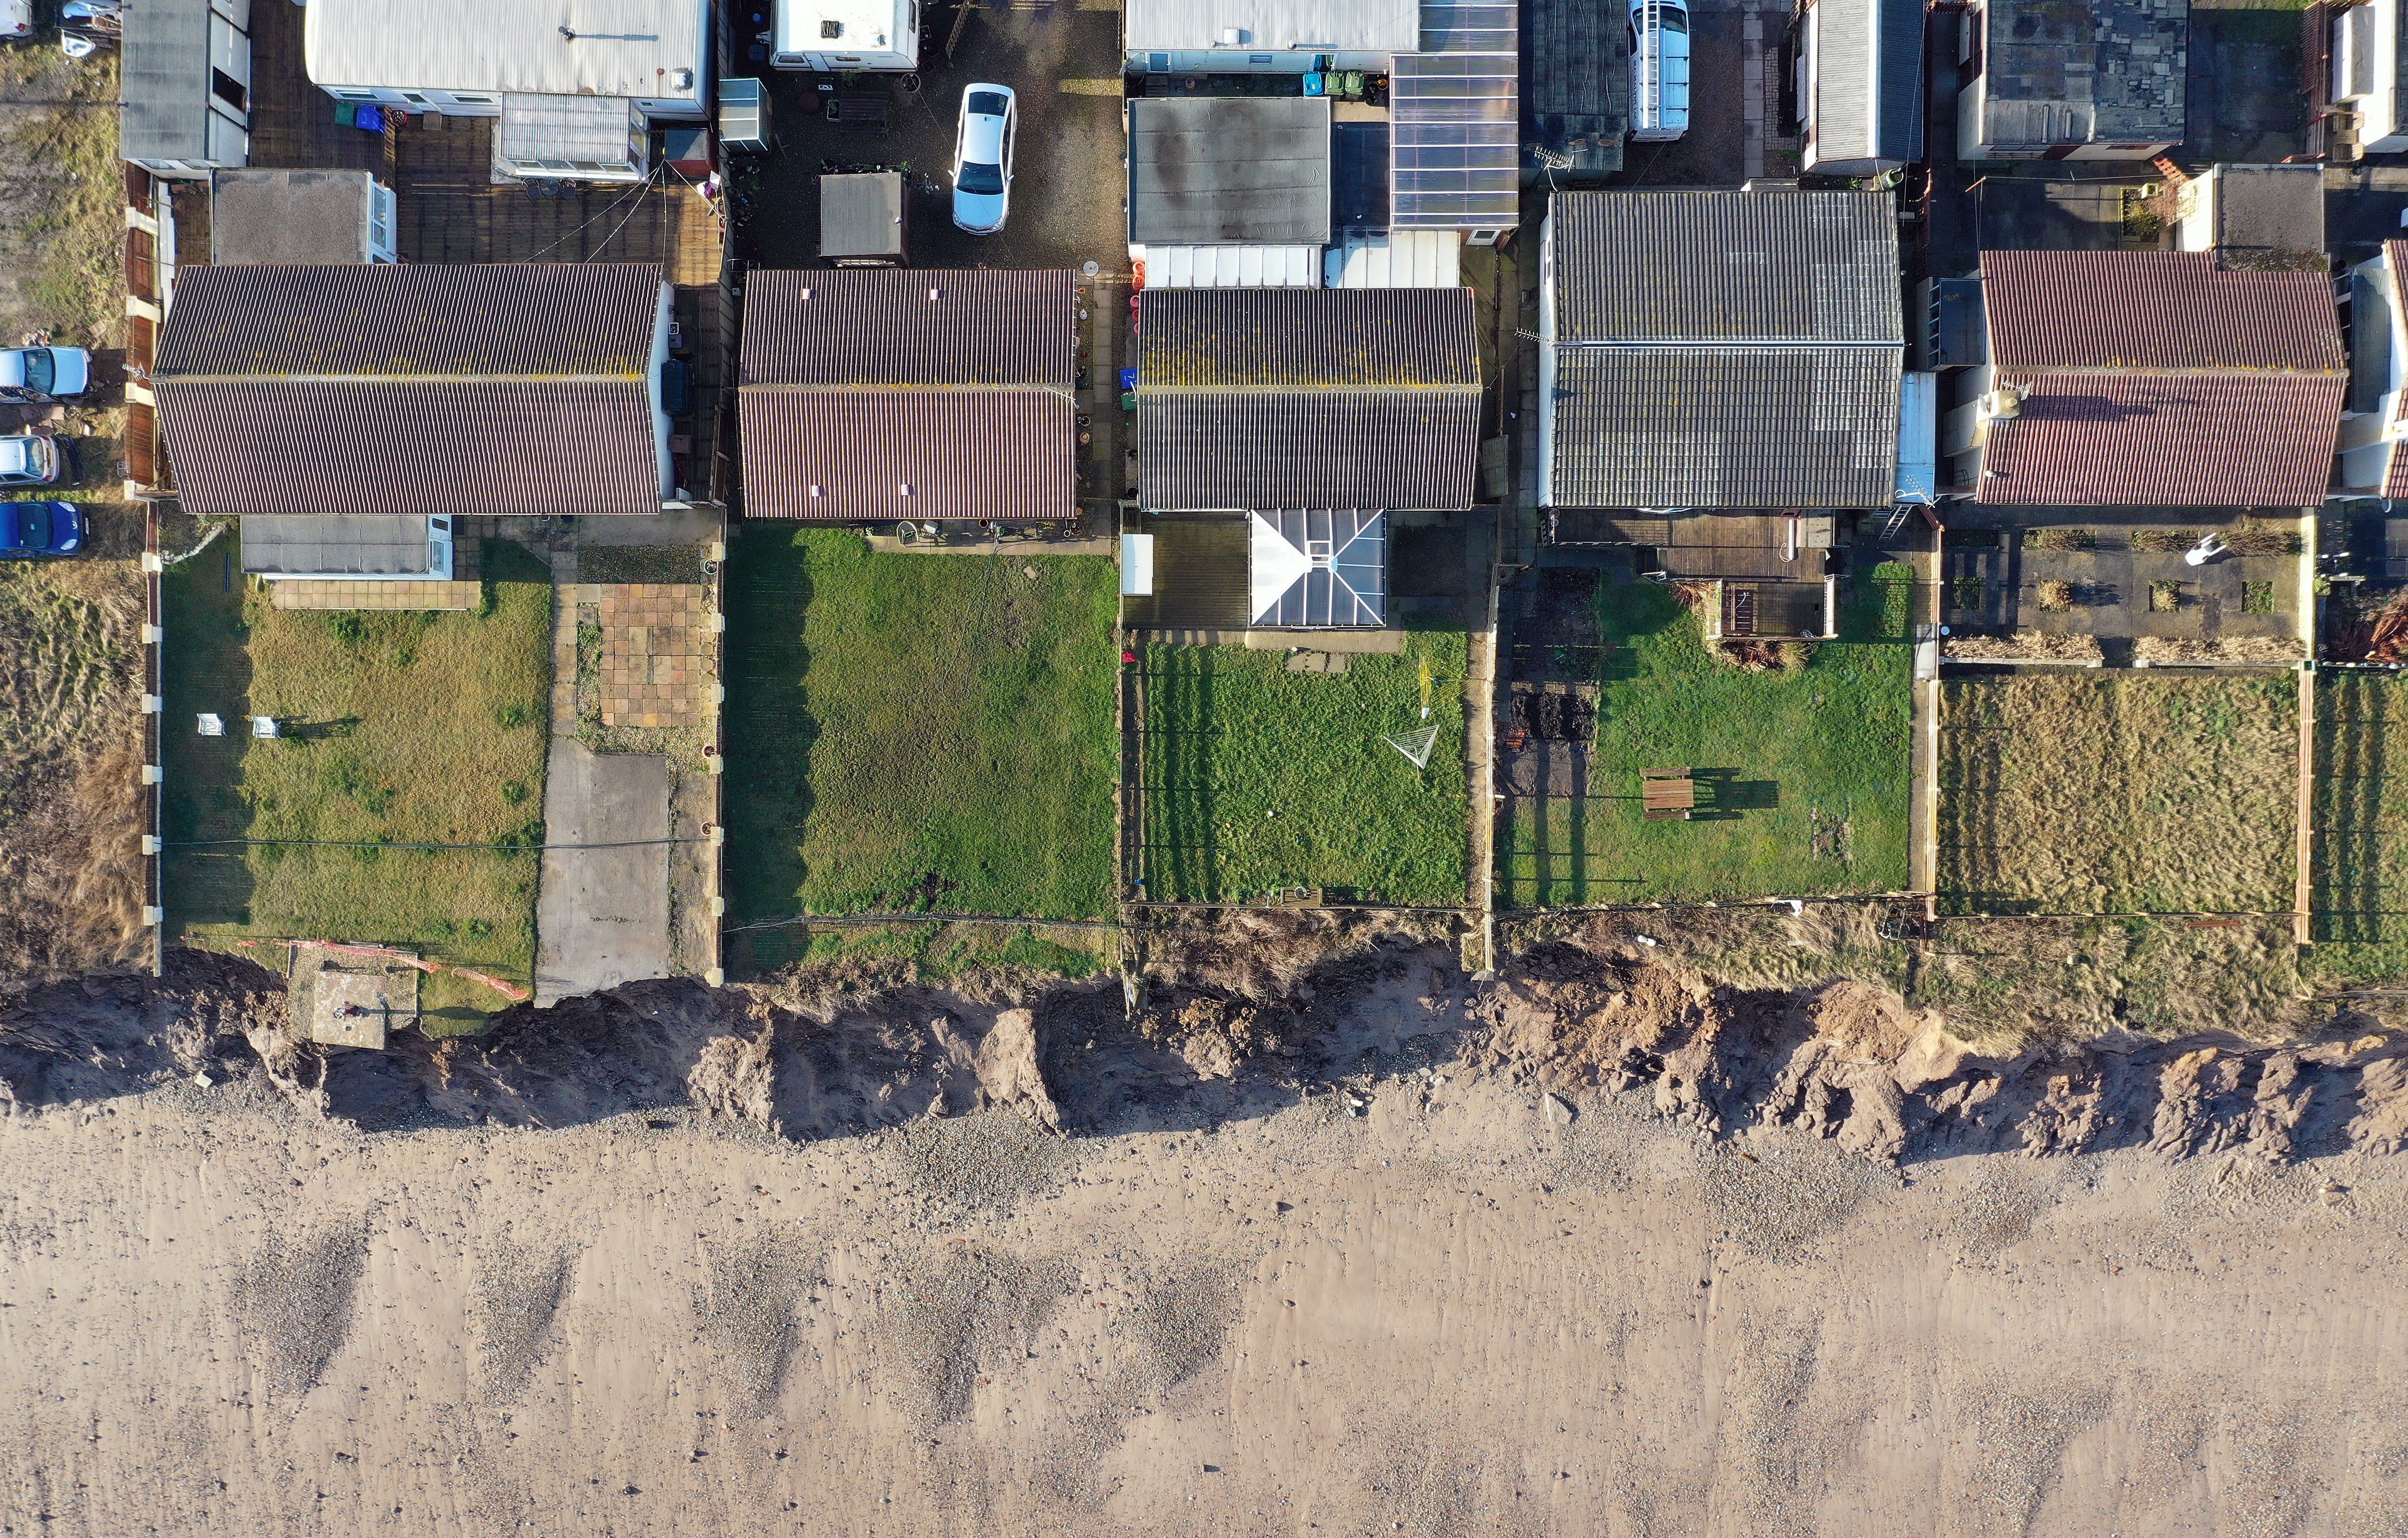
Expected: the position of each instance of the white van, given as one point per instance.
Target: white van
(1659, 70)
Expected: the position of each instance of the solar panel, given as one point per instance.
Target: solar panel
(1455, 115)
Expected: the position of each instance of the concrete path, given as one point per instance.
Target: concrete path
(602, 915)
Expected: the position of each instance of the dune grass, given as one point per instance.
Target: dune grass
(2118, 792)
(399, 728)
(918, 732)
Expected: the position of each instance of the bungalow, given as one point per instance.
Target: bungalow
(1738, 350)
(416, 391)
(1280, 429)
(1859, 86)
(2072, 79)
(2148, 380)
(889, 395)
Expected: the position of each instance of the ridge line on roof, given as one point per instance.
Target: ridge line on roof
(179, 378)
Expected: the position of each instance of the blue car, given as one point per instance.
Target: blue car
(28, 529)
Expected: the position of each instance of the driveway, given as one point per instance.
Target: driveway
(602, 915)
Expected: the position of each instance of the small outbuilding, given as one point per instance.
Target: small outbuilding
(263, 218)
(184, 86)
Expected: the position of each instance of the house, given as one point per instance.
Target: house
(883, 394)
(2367, 80)
(1427, 90)
(2374, 427)
(2072, 79)
(1281, 432)
(185, 86)
(2255, 216)
(416, 391)
(1859, 86)
(833, 36)
(576, 88)
(2148, 380)
(1575, 89)
(299, 218)
(1716, 350)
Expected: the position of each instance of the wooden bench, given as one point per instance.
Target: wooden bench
(858, 110)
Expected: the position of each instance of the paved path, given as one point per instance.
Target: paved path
(602, 915)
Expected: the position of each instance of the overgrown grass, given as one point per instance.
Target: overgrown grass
(399, 728)
(918, 732)
(1258, 777)
(2118, 792)
(67, 225)
(935, 952)
(1803, 775)
(2359, 822)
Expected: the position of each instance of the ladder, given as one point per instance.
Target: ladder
(1897, 517)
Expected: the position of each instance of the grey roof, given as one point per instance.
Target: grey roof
(1725, 427)
(1902, 84)
(164, 83)
(1725, 266)
(621, 47)
(1869, 81)
(1229, 170)
(1371, 26)
(288, 217)
(2268, 213)
(861, 214)
(2083, 71)
(1576, 89)
(1727, 350)
(1317, 398)
(365, 544)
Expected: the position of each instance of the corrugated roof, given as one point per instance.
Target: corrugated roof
(1725, 266)
(521, 322)
(289, 217)
(364, 544)
(1316, 398)
(2261, 440)
(860, 383)
(1576, 88)
(163, 85)
(1229, 170)
(879, 326)
(2154, 310)
(1328, 26)
(1725, 427)
(1455, 116)
(535, 448)
(1307, 340)
(1867, 78)
(621, 47)
(1004, 455)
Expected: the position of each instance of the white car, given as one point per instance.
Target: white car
(16, 21)
(1659, 70)
(28, 459)
(982, 157)
(61, 373)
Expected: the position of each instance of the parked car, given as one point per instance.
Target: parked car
(1659, 69)
(16, 19)
(29, 529)
(59, 372)
(983, 144)
(30, 459)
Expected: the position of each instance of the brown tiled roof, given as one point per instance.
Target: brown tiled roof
(2154, 310)
(536, 449)
(522, 320)
(476, 390)
(964, 453)
(2163, 439)
(2157, 379)
(861, 381)
(880, 326)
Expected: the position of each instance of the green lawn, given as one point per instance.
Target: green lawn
(918, 732)
(2358, 896)
(1809, 767)
(1256, 777)
(400, 728)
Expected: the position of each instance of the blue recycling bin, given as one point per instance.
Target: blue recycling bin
(1128, 378)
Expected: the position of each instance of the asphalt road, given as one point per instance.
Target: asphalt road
(1067, 183)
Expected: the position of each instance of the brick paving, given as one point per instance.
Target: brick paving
(656, 652)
